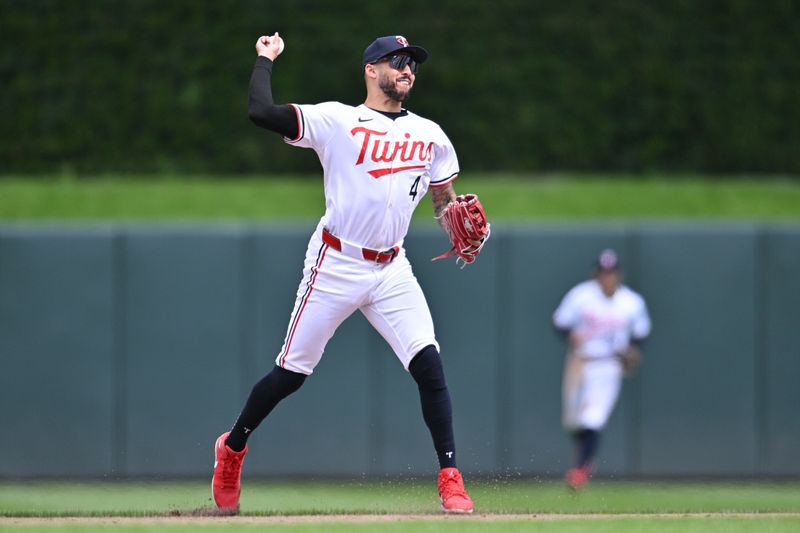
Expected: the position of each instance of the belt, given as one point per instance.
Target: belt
(370, 255)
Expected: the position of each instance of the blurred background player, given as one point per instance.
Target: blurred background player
(604, 323)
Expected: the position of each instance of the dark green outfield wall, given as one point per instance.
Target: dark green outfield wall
(126, 349)
(519, 85)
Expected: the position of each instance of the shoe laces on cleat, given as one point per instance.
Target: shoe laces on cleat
(452, 484)
(231, 468)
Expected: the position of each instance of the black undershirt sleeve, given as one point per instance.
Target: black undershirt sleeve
(262, 110)
(638, 342)
(563, 332)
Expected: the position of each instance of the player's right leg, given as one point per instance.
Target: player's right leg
(231, 447)
(322, 304)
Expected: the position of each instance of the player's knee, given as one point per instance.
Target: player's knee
(426, 369)
(280, 382)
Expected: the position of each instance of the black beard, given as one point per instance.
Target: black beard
(389, 88)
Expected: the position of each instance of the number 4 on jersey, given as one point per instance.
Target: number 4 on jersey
(413, 192)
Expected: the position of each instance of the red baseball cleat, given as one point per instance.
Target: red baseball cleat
(578, 477)
(226, 484)
(452, 493)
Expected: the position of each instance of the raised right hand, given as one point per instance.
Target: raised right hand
(270, 46)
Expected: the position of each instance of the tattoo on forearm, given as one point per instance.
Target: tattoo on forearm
(441, 196)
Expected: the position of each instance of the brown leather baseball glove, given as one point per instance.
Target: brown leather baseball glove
(465, 222)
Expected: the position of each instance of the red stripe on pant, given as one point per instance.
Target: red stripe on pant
(306, 296)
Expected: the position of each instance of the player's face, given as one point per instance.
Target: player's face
(396, 76)
(609, 281)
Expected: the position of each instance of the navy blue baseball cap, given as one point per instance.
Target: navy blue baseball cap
(390, 44)
(607, 261)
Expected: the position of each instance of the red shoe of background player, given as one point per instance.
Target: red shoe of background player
(578, 477)
(226, 484)
(452, 492)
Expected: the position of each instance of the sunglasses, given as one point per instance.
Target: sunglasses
(399, 62)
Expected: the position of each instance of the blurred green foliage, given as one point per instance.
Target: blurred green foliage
(148, 86)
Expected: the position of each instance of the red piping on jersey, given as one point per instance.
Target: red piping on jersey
(445, 182)
(307, 295)
(380, 172)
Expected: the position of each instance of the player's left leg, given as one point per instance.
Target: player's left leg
(437, 411)
(426, 369)
(400, 313)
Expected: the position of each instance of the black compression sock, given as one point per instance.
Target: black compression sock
(426, 369)
(266, 394)
(587, 441)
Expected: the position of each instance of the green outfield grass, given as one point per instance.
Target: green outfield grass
(519, 505)
(261, 498)
(455, 525)
(296, 198)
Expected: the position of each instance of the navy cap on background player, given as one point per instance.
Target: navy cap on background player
(607, 261)
(390, 44)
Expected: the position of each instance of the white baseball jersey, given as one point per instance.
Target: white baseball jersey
(606, 324)
(592, 374)
(376, 171)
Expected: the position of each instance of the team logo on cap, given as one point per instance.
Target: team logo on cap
(402, 41)
(608, 259)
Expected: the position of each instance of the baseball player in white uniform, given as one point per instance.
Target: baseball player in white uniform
(604, 322)
(379, 160)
